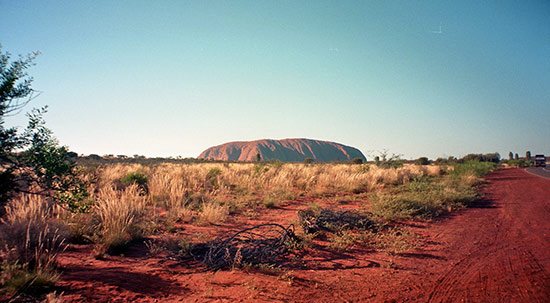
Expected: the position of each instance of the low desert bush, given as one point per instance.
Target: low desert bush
(211, 179)
(477, 168)
(403, 207)
(269, 202)
(424, 198)
(138, 178)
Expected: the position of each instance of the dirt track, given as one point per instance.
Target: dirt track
(497, 251)
(500, 251)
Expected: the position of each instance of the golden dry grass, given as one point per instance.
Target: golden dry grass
(171, 181)
(214, 213)
(183, 189)
(119, 215)
(31, 237)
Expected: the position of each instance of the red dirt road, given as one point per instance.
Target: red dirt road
(500, 251)
(496, 251)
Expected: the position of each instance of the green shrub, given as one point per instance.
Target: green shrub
(493, 157)
(269, 202)
(422, 161)
(474, 167)
(517, 163)
(403, 207)
(211, 179)
(384, 160)
(425, 198)
(260, 168)
(137, 178)
(357, 161)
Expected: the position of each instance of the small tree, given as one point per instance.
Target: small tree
(31, 162)
(308, 160)
(357, 161)
(258, 157)
(15, 92)
(387, 161)
(422, 161)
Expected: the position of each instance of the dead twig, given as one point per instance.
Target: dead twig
(332, 220)
(261, 244)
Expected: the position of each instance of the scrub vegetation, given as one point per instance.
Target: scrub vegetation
(51, 199)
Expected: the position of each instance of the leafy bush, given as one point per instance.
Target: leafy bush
(425, 198)
(384, 160)
(518, 163)
(475, 167)
(137, 178)
(211, 180)
(404, 207)
(494, 157)
(357, 161)
(422, 161)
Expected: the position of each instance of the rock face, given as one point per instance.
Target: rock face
(287, 150)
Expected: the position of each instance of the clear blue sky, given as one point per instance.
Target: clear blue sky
(169, 78)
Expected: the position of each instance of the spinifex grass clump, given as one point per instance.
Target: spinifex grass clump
(31, 237)
(121, 215)
(213, 213)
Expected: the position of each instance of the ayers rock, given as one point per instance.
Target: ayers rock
(287, 150)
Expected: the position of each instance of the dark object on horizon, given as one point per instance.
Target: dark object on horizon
(422, 161)
(357, 161)
(540, 160)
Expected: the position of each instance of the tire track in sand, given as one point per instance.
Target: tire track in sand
(503, 253)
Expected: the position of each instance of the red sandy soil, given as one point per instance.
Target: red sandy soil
(497, 251)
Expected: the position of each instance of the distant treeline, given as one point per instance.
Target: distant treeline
(491, 157)
(95, 160)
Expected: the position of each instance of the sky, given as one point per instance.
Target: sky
(172, 78)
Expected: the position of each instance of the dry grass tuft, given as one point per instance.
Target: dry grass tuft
(31, 238)
(213, 213)
(120, 215)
